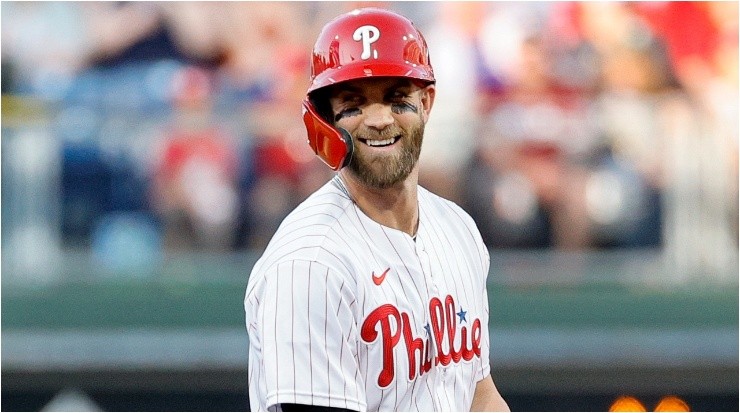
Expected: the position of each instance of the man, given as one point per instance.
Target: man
(372, 293)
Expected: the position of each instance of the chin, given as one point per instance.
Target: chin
(377, 174)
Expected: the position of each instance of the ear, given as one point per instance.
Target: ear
(427, 100)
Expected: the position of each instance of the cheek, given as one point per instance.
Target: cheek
(349, 124)
(413, 120)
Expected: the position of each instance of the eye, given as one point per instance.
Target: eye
(346, 104)
(398, 96)
(351, 100)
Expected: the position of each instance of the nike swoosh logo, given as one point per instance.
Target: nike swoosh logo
(379, 279)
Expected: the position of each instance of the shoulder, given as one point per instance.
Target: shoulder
(454, 219)
(321, 209)
(306, 233)
(446, 211)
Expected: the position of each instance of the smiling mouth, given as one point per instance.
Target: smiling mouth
(380, 143)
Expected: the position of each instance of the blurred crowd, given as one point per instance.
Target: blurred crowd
(562, 125)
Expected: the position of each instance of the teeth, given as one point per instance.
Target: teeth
(381, 143)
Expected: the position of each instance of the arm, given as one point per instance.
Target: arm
(487, 398)
(305, 329)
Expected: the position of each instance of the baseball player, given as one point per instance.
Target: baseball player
(372, 293)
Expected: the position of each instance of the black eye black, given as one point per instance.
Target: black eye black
(403, 107)
(347, 113)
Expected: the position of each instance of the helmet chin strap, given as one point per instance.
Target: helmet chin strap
(333, 145)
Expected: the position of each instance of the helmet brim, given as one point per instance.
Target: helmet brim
(363, 70)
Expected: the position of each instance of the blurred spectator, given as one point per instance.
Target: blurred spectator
(449, 134)
(698, 36)
(536, 133)
(284, 169)
(124, 33)
(622, 192)
(700, 160)
(257, 37)
(194, 182)
(558, 125)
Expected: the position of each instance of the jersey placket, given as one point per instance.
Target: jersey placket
(426, 268)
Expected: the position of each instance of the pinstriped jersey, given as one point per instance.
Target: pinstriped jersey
(342, 311)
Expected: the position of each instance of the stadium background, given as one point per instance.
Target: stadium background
(150, 149)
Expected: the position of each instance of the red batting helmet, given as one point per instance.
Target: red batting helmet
(367, 42)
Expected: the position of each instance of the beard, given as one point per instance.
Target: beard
(385, 171)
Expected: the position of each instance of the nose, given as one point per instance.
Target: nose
(378, 116)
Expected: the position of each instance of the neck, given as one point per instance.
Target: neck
(394, 207)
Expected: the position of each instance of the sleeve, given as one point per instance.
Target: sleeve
(309, 338)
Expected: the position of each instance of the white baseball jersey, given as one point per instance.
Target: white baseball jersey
(345, 312)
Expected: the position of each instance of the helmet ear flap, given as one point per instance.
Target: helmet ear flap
(333, 145)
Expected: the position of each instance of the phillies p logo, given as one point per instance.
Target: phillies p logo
(368, 35)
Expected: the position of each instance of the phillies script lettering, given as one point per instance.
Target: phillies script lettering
(390, 324)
